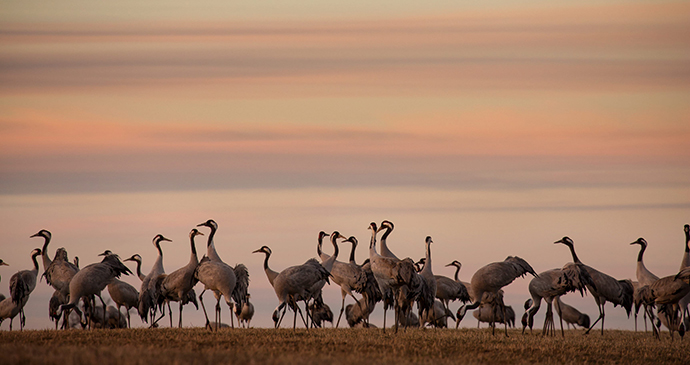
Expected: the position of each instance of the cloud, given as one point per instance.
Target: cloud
(613, 47)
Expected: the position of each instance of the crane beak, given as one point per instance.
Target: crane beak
(559, 241)
(4, 264)
(35, 235)
(259, 250)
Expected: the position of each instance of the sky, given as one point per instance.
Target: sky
(495, 127)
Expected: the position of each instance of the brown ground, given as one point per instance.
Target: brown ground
(172, 346)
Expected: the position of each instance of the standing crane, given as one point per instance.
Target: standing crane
(176, 285)
(644, 277)
(147, 294)
(570, 315)
(92, 279)
(349, 276)
(136, 258)
(272, 275)
(667, 293)
(491, 278)
(552, 284)
(219, 277)
(58, 273)
(685, 263)
(605, 288)
(22, 284)
(393, 275)
(297, 283)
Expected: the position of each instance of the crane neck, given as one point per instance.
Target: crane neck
(319, 247)
(457, 270)
(352, 254)
(194, 257)
(158, 247)
(211, 246)
(139, 273)
(427, 262)
(336, 250)
(372, 244)
(268, 255)
(270, 274)
(44, 253)
(33, 258)
(572, 252)
(643, 247)
(687, 239)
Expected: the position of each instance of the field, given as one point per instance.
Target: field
(200, 346)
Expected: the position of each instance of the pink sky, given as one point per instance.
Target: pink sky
(465, 122)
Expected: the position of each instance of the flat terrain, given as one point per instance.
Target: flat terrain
(200, 346)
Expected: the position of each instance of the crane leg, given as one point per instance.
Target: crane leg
(342, 308)
(219, 314)
(180, 323)
(201, 299)
(505, 320)
(104, 307)
(170, 314)
(560, 317)
(601, 314)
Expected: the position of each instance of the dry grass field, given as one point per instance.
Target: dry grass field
(200, 346)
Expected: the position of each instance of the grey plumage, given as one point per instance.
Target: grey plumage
(148, 294)
(124, 295)
(570, 314)
(684, 303)
(348, 275)
(393, 276)
(666, 293)
(320, 313)
(644, 277)
(245, 313)
(605, 288)
(176, 285)
(296, 283)
(92, 279)
(10, 309)
(437, 316)
(219, 277)
(551, 284)
(490, 313)
(448, 289)
(427, 291)
(23, 283)
(492, 277)
(136, 258)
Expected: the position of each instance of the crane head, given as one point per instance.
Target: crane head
(566, 241)
(263, 249)
(640, 241)
(209, 223)
(195, 232)
(135, 258)
(42, 233)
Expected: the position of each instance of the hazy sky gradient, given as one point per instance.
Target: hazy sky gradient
(495, 127)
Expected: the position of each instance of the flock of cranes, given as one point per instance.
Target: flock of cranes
(400, 284)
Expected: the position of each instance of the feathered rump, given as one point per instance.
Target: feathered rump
(239, 294)
(520, 266)
(18, 288)
(404, 272)
(321, 272)
(575, 277)
(625, 298)
(117, 267)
